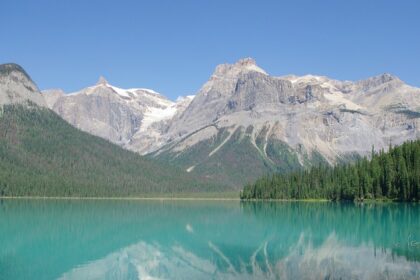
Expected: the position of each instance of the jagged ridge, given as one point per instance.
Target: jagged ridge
(309, 119)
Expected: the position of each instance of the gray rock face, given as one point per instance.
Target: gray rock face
(305, 117)
(128, 117)
(52, 95)
(216, 98)
(16, 87)
(311, 114)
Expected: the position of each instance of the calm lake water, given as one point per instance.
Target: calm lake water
(129, 239)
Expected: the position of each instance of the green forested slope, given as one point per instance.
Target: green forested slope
(42, 155)
(238, 161)
(393, 175)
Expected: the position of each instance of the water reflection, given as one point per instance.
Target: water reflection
(102, 239)
(395, 227)
(331, 260)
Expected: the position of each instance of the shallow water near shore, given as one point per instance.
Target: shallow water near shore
(163, 239)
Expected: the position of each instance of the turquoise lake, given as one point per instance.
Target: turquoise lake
(135, 239)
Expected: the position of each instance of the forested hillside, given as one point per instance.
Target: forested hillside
(392, 175)
(42, 155)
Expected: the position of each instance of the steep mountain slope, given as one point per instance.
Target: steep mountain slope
(17, 87)
(243, 122)
(270, 123)
(43, 155)
(133, 118)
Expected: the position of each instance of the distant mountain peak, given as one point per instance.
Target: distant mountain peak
(102, 81)
(246, 61)
(242, 65)
(379, 80)
(7, 68)
(386, 77)
(16, 86)
(249, 64)
(383, 78)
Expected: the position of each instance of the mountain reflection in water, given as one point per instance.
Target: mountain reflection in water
(116, 239)
(331, 260)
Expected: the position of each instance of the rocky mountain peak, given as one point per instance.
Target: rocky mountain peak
(388, 77)
(16, 86)
(9, 68)
(246, 61)
(378, 81)
(102, 81)
(232, 70)
(384, 78)
(249, 64)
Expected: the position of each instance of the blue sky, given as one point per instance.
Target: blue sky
(174, 46)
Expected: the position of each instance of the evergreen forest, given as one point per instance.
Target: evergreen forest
(393, 175)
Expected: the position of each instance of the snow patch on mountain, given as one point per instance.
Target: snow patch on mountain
(144, 89)
(153, 115)
(120, 91)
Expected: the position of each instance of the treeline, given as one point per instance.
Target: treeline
(387, 175)
(42, 155)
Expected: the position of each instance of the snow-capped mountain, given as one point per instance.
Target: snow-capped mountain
(243, 122)
(134, 118)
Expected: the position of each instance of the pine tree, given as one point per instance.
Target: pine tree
(375, 174)
(403, 183)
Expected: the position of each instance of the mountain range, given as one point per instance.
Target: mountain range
(244, 123)
(43, 155)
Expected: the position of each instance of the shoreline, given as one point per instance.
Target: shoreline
(118, 198)
(168, 198)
